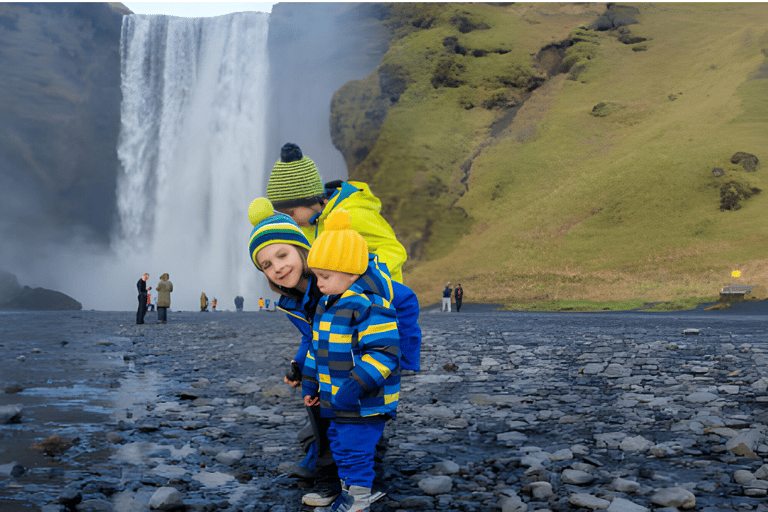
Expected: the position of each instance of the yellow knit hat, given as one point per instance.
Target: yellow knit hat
(339, 247)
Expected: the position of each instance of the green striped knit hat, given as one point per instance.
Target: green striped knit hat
(294, 180)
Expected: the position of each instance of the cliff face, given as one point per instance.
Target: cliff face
(60, 106)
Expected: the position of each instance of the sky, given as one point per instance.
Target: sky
(197, 9)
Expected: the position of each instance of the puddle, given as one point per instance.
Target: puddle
(79, 406)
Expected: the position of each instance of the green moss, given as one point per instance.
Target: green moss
(578, 56)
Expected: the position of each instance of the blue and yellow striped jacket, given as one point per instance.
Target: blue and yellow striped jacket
(353, 364)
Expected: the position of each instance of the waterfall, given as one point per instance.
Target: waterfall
(192, 148)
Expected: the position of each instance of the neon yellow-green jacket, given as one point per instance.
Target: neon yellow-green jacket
(364, 209)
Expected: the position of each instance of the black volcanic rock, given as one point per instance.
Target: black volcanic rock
(16, 297)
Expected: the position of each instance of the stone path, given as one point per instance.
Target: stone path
(511, 412)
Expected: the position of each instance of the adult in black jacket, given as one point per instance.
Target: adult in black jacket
(458, 295)
(142, 287)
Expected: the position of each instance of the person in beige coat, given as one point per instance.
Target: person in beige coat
(163, 289)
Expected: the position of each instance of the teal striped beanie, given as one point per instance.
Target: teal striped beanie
(272, 228)
(294, 180)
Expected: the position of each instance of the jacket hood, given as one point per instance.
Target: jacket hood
(376, 280)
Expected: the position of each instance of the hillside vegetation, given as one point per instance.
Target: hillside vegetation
(534, 159)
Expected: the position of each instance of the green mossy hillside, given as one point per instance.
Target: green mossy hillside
(534, 159)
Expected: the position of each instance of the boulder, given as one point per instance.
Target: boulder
(747, 160)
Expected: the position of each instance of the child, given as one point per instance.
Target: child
(295, 188)
(352, 369)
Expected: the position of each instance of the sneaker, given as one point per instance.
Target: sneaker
(322, 495)
(354, 499)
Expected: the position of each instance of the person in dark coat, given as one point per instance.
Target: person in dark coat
(458, 296)
(239, 303)
(142, 287)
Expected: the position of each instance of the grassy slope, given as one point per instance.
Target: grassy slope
(599, 208)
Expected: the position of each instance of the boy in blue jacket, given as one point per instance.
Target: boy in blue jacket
(352, 369)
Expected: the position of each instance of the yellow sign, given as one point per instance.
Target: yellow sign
(736, 273)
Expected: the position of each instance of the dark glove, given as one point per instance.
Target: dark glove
(295, 373)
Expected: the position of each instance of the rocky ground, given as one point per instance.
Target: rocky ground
(511, 411)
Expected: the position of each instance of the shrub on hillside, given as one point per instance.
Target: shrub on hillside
(447, 73)
(734, 192)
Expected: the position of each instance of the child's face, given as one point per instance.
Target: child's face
(282, 264)
(302, 214)
(332, 282)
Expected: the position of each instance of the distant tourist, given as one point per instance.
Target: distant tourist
(447, 298)
(261, 303)
(150, 304)
(239, 303)
(203, 302)
(266, 304)
(458, 295)
(213, 304)
(164, 289)
(142, 287)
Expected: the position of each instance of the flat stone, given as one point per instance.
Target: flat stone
(677, 497)
(577, 477)
(622, 505)
(589, 501)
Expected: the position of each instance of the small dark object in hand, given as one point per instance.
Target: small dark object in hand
(295, 373)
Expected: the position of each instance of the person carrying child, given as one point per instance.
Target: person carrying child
(296, 189)
(352, 369)
(279, 249)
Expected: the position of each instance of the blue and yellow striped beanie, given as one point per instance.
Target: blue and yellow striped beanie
(295, 180)
(272, 228)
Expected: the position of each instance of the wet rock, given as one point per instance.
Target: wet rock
(94, 505)
(577, 477)
(13, 469)
(53, 446)
(677, 497)
(166, 498)
(589, 501)
(635, 444)
(622, 505)
(435, 485)
(10, 414)
(625, 486)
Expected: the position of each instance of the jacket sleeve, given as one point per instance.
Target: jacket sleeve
(406, 305)
(379, 343)
(309, 384)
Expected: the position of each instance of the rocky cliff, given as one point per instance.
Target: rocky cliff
(60, 106)
(14, 296)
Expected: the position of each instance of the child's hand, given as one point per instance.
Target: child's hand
(309, 401)
(292, 383)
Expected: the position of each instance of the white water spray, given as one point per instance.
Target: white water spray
(192, 145)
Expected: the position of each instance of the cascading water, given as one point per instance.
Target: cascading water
(192, 145)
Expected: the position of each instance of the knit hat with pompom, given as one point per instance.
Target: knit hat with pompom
(294, 180)
(271, 228)
(339, 247)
